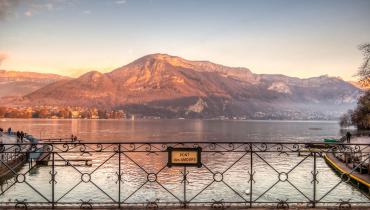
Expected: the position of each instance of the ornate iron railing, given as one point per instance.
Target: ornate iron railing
(242, 174)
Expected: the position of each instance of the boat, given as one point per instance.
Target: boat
(331, 140)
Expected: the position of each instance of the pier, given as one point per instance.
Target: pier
(10, 159)
(352, 164)
(349, 171)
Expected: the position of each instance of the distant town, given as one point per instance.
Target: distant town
(54, 112)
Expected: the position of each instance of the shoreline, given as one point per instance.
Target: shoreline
(169, 119)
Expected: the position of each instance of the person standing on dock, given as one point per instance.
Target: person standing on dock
(18, 136)
(348, 136)
(9, 131)
(22, 136)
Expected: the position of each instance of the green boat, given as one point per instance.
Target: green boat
(331, 140)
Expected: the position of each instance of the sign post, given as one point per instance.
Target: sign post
(184, 157)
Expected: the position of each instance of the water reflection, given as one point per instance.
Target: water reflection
(176, 130)
(168, 184)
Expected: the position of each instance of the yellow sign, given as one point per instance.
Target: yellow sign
(184, 156)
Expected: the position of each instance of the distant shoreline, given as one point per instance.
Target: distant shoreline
(148, 119)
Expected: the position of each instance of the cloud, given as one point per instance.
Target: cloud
(7, 8)
(87, 12)
(35, 7)
(3, 56)
(28, 13)
(121, 2)
(49, 6)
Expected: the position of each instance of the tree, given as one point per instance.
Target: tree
(361, 115)
(44, 113)
(2, 112)
(346, 119)
(364, 71)
(64, 113)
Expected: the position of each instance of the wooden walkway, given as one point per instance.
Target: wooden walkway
(10, 161)
(341, 167)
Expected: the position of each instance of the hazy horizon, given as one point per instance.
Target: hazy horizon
(295, 38)
(109, 70)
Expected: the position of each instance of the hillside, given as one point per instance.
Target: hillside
(169, 86)
(16, 83)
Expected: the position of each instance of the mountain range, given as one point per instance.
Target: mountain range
(170, 86)
(15, 83)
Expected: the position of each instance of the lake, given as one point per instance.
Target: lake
(176, 130)
(136, 167)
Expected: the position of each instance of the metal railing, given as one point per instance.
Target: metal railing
(233, 174)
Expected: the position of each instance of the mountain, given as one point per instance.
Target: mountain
(16, 83)
(170, 86)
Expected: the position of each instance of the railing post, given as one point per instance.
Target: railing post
(314, 180)
(119, 176)
(52, 181)
(185, 180)
(251, 177)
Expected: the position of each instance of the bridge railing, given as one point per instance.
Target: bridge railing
(224, 174)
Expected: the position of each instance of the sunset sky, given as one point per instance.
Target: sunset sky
(302, 38)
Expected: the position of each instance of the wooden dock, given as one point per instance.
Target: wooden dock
(11, 160)
(12, 165)
(360, 179)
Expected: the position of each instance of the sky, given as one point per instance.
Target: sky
(301, 38)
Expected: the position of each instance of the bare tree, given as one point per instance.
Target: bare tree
(345, 119)
(364, 71)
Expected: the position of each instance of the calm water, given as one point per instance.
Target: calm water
(177, 130)
(133, 176)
